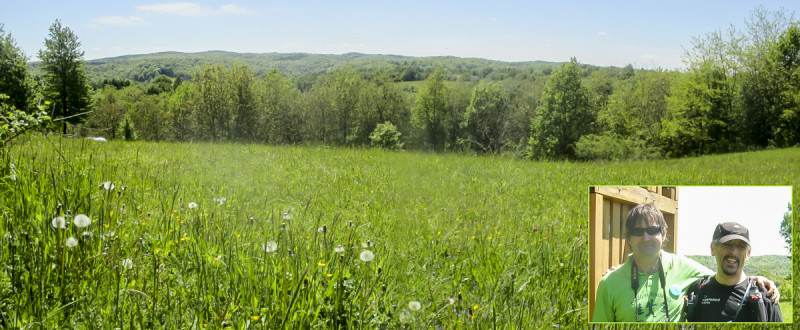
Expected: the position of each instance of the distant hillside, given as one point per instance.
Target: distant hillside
(142, 68)
(776, 264)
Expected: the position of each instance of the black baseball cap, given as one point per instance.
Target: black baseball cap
(727, 231)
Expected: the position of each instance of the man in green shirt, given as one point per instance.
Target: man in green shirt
(650, 285)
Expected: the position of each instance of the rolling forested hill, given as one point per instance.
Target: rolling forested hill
(143, 68)
(778, 265)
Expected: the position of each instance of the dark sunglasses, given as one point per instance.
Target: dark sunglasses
(650, 230)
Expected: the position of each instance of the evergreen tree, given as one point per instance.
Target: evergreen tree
(65, 79)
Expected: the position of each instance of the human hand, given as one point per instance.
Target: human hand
(764, 284)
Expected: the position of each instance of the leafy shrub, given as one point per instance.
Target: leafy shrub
(613, 147)
(386, 136)
(15, 122)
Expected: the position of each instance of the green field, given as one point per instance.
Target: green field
(478, 242)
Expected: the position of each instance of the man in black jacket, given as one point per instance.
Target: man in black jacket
(730, 295)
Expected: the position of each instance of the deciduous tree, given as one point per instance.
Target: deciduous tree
(430, 112)
(13, 72)
(564, 116)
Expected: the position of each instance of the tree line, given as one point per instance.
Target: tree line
(740, 91)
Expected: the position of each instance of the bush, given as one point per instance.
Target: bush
(15, 122)
(386, 136)
(613, 147)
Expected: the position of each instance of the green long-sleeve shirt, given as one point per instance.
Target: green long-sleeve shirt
(615, 302)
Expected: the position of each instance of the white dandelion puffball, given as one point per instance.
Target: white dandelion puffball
(405, 317)
(339, 249)
(59, 222)
(127, 263)
(366, 256)
(107, 185)
(72, 242)
(287, 216)
(192, 205)
(270, 247)
(414, 305)
(82, 221)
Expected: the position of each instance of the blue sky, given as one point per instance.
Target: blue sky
(758, 208)
(647, 34)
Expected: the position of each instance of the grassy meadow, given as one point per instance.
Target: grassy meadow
(251, 236)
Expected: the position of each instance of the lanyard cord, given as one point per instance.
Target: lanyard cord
(635, 286)
(741, 303)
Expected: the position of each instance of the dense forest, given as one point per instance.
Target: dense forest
(740, 90)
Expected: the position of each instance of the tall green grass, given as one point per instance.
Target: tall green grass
(479, 242)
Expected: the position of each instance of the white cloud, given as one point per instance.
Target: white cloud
(119, 20)
(191, 9)
(234, 9)
(602, 33)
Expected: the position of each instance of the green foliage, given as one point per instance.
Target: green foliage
(386, 136)
(698, 117)
(13, 72)
(160, 84)
(281, 119)
(613, 147)
(786, 227)
(778, 266)
(485, 119)
(143, 68)
(563, 117)
(128, 129)
(15, 122)
(786, 58)
(431, 111)
(65, 79)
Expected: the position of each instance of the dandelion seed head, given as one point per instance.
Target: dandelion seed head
(192, 205)
(414, 305)
(339, 249)
(108, 185)
(287, 216)
(59, 222)
(87, 234)
(270, 247)
(82, 221)
(405, 317)
(127, 263)
(71, 242)
(366, 256)
(320, 230)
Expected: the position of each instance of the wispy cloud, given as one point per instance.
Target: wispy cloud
(191, 9)
(234, 9)
(602, 33)
(119, 20)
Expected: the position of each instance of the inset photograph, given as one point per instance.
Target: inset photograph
(690, 254)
